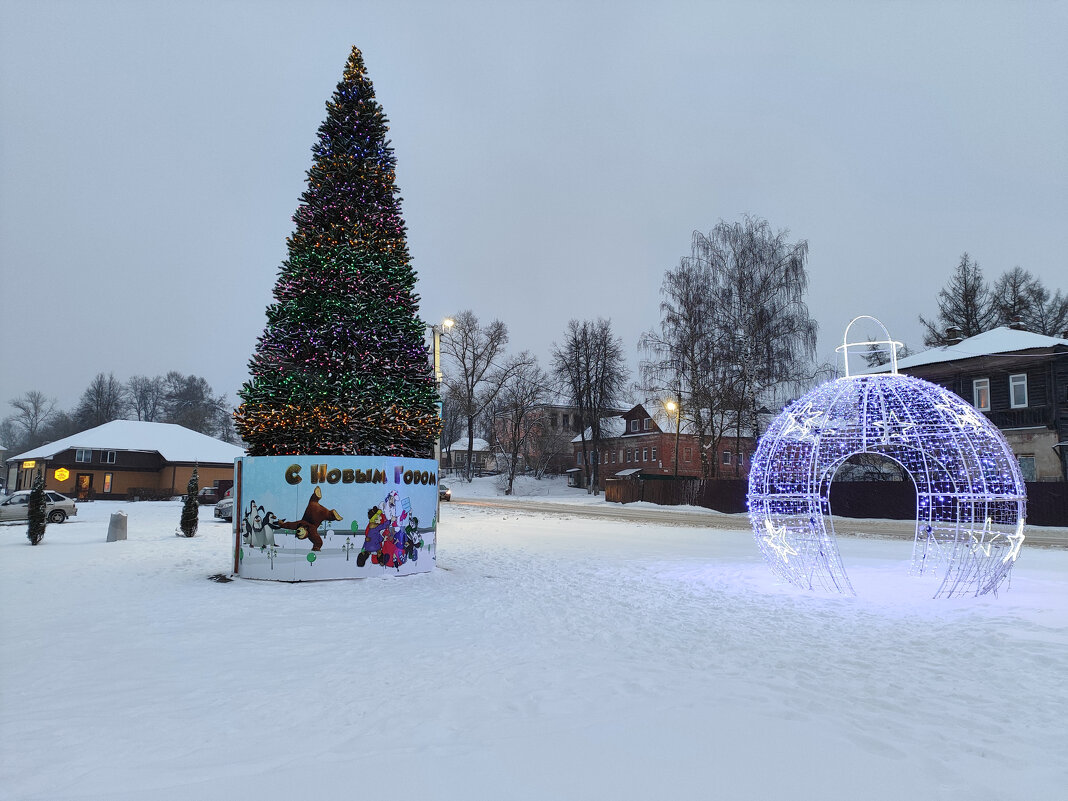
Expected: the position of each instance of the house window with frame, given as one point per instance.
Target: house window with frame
(107, 482)
(687, 454)
(83, 455)
(981, 394)
(552, 421)
(1018, 391)
(726, 457)
(107, 457)
(645, 454)
(634, 425)
(565, 420)
(1027, 467)
(646, 422)
(654, 454)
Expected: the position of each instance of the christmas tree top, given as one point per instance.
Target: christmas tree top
(342, 367)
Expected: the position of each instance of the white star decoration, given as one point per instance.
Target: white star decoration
(804, 422)
(1016, 538)
(960, 416)
(981, 543)
(893, 427)
(776, 540)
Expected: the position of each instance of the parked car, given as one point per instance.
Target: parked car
(444, 493)
(17, 506)
(207, 495)
(224, 509)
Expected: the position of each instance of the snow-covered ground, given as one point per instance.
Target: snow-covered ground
(546, 658)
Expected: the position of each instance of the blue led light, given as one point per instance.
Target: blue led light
(970, 495)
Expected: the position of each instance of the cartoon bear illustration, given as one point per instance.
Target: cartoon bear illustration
(308, 526)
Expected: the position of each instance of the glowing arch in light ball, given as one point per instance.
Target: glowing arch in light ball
(970, 495)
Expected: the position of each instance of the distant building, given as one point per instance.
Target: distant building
(1019, 380)
(548, 430)
(126, 458)
(635, 443)
(480, 456)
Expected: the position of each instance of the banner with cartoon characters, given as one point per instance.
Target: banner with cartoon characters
(303, 518)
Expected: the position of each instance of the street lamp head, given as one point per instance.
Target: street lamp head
(671, 406)
(448, 322)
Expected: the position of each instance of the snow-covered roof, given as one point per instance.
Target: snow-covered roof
(478, 445)
(997, 340)
(611, 427)
(173, 442)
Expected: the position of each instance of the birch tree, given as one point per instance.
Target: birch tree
(590, 365)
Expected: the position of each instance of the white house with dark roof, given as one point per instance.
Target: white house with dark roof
(126, 458)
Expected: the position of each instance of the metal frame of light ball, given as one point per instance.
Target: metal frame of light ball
(970, 495)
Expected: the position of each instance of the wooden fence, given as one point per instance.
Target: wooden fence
(1047, 501)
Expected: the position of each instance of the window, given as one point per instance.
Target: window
(628, 454)
(107, 457)
(687, 454)
(654, 454)
(1027, 467)
(613, 457)
(726, 457)
(107, 482)
(1018, 391)
(566, 420)
(645, 454)
(981, 394)
(552, 420)
(633, 425)
(54, 497)
(83, 455)
(646, 422)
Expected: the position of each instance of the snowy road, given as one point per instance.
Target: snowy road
(688, 516)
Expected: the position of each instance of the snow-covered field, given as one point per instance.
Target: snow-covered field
(546, 658)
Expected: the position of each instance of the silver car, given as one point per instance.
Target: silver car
(224, 509)
(17, 506)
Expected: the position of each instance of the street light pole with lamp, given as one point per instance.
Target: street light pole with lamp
(672, 406)
(437, 331)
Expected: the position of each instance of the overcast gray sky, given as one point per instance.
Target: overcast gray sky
(554, 159)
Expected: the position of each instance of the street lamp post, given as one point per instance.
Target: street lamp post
(672, 406)
(437, 330)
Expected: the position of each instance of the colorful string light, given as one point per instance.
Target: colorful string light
(341, 367)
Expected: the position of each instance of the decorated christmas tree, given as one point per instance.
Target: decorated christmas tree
(342, 367)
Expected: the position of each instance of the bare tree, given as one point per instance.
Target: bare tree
(147, 397)
(589, 362)
(766, 339)
(104, 400)
(517, 419)
(876, 355)
(475, 369)
(452, 424)
(1013, 296)
(33, 410)
(685, 361)
(190, 401)
(1049, 313)
(1020, 299)
(964, 304)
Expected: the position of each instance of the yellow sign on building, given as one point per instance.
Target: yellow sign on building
(62, 474)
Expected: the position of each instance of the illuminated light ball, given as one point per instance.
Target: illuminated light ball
(970, 495)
